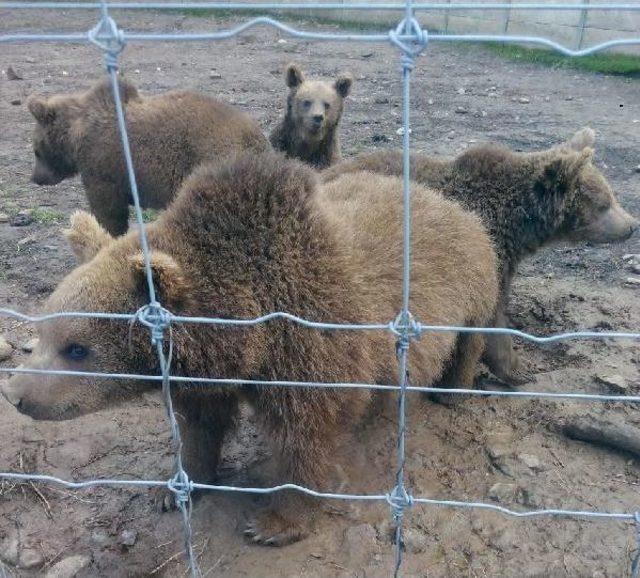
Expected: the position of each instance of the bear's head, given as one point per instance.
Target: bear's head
(110, 278)
(60, 125)
(595, 214)
(53, 139)
(315, 106)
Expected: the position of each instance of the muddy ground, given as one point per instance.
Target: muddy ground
(461, 95)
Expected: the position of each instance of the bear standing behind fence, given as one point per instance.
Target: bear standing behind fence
(169, 134)
(254, 237)
(525, 201)
(309, 129)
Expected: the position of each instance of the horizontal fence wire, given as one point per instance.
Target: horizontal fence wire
(410, 39)
(389, 6)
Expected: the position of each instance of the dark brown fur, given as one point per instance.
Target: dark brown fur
(254, 237)
(169, 135)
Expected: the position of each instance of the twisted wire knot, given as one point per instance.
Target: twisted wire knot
(181, 487)
(399, 500)
(156, 318)
(418, 41)
(109, 38)
(406, 328)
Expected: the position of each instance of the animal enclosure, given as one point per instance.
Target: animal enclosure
(570, 308)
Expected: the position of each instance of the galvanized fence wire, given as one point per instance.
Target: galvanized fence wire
(411, 40)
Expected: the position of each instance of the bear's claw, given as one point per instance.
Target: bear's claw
(271, 529)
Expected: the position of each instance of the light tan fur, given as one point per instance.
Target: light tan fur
(254, 237)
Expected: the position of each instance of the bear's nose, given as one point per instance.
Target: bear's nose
(318, 118)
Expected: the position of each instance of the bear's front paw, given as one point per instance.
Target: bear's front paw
(271, 529)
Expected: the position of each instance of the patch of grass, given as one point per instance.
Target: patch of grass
(148, 215)
(46, 216)
(603, 63)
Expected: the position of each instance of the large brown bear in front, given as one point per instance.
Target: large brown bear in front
(169, 134)
(255, 237)
(525, 200)
(309, 129)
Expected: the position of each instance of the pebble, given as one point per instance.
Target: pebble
(9, 550)
(22, 219)
(68, 567)
(638, 169)
(4, 218)
(128, 538)
(531, 461)
(547, 99)
(30, 558)
(213, 75)
(502, 492)
(15, 102)
(282, 41)
(30, 345)
(100, 537)
(430, 101)
(12, 74)
(524, 100)
(614, 382)
(461, 110)
(632, 281)
(568, 97)
(461, 91)
(6, 351)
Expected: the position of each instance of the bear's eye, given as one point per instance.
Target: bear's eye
(306, 103)
(76, 352)
(327, 106)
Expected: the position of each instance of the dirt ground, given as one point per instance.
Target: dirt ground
(461, 95)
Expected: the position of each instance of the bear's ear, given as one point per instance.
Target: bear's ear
(86, 236)
(585, 137)
(563, 170)
(171, 286)
(39, 108)
(343, 85)
(294, 76)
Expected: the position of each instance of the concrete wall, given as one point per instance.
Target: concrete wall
(562, 26)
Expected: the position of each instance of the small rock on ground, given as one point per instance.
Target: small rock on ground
(128, 538)
(30, 345)
(502, 492)
(22, 219)
(6, 351)
(30, 559)
(615, 383)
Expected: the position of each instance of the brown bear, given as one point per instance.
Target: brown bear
(240, 241)
(169, 135)
(309, 129)
(525, 201)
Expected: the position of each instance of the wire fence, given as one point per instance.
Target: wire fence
(410, 40)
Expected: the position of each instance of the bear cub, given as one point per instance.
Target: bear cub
(309, 129)
(169, 135)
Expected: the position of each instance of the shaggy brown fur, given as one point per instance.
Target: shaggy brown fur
(169, 135)
(309, 129)
(251, 238)
(525, 200)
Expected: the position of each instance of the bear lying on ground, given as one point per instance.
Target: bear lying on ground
(169, 135)
(309, 129)
(254, 237)
(525, 200)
